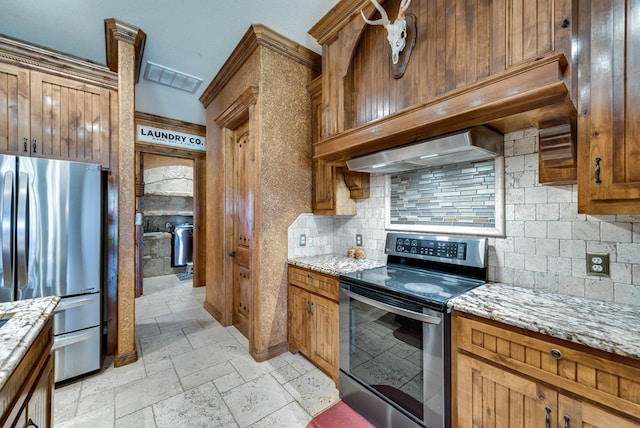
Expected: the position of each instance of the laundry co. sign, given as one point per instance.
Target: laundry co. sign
(165, 137)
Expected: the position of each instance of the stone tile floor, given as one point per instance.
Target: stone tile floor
(192, 372)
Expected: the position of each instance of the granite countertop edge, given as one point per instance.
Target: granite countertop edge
(17, 335)
(334, 264)
(593, 323)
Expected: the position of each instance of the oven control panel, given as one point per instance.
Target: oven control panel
(425, 247)
(456, 250)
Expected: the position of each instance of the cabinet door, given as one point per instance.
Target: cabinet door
(323, 182)
(69, 119)
(40, 401)
(577, 414)
(490, 397)
(14, 110)
(298, 314)
(323, 332)
(609, 119)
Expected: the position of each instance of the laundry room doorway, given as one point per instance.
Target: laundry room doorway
(169, 202)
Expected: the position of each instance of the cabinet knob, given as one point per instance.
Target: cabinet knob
(556, 353)
(598, 181)
(33, 145)
(25, 141)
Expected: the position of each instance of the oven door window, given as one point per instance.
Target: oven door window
(397, 357)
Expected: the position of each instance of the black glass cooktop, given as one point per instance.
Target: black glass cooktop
(415, 283)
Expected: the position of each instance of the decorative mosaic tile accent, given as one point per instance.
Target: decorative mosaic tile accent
(461, 195)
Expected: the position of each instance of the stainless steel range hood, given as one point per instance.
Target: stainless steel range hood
(471, 144)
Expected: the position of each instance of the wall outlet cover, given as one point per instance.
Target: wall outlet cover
(358, 240)
(303, 240)
(597, 264)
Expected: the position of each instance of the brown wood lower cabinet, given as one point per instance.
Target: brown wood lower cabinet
(313, 318)
(507, 377)
(26, 398)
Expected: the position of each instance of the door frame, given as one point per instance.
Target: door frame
(199, 190)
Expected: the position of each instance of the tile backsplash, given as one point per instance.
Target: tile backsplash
(546, 239)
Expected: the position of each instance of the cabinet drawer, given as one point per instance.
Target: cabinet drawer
(614, 382)
(315, 282)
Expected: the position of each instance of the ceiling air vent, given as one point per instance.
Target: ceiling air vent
(166, 76)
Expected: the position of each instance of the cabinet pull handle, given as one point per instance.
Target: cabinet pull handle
(25, 144)
(555, 353)
(310, 308)
(598, 181)
(30, 423)
(547, 421)
(33, 142)
(232, 255)
(566, 421)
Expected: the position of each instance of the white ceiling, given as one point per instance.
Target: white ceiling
(194, 37)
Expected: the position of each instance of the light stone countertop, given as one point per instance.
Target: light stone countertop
(334, 264)
(28, 319)
(608, 326)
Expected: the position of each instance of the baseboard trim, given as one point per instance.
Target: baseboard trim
(270, 352)
(121, 360)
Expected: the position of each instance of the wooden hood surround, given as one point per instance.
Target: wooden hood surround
(501, 64)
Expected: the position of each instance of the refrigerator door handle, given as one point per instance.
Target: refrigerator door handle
(70, 339)
(22, 220)
(7, 227)
(73, 303)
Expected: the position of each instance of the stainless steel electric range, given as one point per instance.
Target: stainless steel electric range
(395, 332)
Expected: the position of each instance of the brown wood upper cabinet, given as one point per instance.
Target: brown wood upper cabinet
(334, 186)
(55, 106)
(609, 117)
(48, 116)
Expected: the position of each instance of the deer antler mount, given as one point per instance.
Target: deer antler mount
(400, 31)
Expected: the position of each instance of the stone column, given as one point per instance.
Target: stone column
(123, 43)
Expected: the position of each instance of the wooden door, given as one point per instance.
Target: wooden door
(490, 397)
(578, 414)
(242, 197)
(69, 119)
(609, 118)
(298, 320)
(14, 110)
(323, 332)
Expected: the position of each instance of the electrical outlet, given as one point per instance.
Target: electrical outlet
(597, 264)
(358, 240)
(303, 240)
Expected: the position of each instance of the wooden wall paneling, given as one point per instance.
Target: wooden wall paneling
(459, 43)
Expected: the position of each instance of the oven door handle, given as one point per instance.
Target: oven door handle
(393, 309)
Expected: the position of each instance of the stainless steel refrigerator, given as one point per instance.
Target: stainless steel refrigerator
(50, 234)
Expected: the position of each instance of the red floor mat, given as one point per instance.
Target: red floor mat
(340, 415)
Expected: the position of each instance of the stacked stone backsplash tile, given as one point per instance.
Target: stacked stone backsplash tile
(546, 239)
(318, 231)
